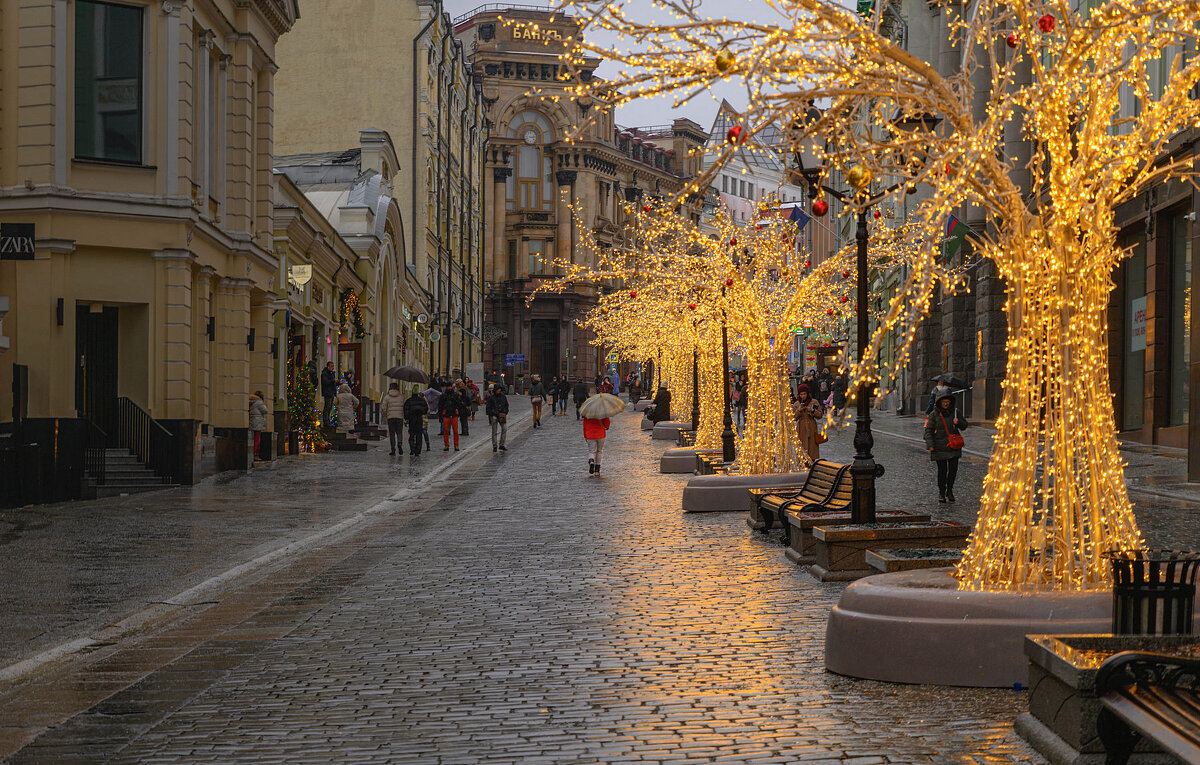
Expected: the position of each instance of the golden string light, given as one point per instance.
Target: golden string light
(1055, 499)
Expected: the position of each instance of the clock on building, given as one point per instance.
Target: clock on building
(531, 136)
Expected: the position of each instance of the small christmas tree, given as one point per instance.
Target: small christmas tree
(303, 413)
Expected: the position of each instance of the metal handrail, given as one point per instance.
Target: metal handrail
(499, 7)
(141, 434)
(95, 442)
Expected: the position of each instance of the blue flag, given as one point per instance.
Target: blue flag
(799, 217)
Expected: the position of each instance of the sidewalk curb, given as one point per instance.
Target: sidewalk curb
(176, 605)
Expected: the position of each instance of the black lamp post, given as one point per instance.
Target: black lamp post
(808, 154)
(695, 385)
(727, 451)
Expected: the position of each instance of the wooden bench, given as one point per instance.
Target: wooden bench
(1149, 695)
(827, 485)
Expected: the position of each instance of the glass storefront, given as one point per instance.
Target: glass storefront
(1181, 292)
(1132, 277)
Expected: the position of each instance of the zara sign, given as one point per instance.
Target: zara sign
(16, 241)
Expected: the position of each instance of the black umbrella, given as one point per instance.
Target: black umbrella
(406, 374)
(950, 381)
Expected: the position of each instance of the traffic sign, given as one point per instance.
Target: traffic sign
(614, 358)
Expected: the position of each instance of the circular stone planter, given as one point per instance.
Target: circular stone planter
(668, 431)
(641, 404)
(730, 493)
(917, 627)
(647, 423)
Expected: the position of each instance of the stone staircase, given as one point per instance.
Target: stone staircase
(342, 442)
(368, 432)
(124, 474)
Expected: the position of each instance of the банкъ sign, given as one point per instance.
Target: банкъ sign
(535, 33)
(16, 241)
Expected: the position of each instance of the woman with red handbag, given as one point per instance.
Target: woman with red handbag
(945, 443)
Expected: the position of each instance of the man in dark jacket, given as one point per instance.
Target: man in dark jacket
(415, 409)
(580, 395)
(496, 408)
(564, 392)
(329, 386)
(451, 407)
(661, 409)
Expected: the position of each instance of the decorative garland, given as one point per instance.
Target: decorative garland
(350, 313)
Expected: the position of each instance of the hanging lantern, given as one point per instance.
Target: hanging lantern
(820, 208)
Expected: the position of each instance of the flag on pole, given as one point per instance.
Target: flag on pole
(956, 233)
(799, 217)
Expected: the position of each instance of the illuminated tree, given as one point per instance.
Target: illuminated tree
(1055, 498)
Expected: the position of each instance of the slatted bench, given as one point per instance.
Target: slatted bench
(826, 482)
(1153, 696)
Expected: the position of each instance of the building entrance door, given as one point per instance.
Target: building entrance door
(96, 336)
(350, 360)
(543, 348)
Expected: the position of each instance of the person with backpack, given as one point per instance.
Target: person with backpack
(414, 411)
(945, 443)
(564, 392)
(450, 407)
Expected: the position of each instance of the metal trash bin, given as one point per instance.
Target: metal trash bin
(1154, 591)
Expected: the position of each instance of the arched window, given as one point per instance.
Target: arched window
(531, 184)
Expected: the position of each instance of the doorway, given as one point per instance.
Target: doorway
(350, 360)
(96, 362)
(543, 347)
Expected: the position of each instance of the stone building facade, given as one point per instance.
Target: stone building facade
(397, 67)
(137, 143)
(539, 171)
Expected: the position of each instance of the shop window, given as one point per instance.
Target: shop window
(1181, 309)
(1132, 276)
(108, 81)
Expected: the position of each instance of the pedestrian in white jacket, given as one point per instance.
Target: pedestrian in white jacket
(258, 419)
(347, 404)
(393, 415)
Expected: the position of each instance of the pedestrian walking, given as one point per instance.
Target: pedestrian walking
(433, 396)
(808, 411)
(552, 389)
(329, 390)
(564, 392)
(450, 406)
(594, 432)
(635, 389)
(605, 386)
(579, 393)
(473, 396)
(537, 396)
(839, 393)
(347, 404)
(415, 409)
(464, 416)
(939, 389)
(496, 409)
(258, 419)
(392, 410)
(944, 440)
(741, 398)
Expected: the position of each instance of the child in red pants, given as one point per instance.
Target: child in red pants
(594, 431)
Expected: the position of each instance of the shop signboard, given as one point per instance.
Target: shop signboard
(1137, 328)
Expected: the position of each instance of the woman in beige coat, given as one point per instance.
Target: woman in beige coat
(346, 406)
(808, 411)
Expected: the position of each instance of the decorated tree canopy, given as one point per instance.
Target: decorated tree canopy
(1033, 129)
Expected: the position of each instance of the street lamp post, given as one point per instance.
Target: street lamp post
(727, 451)
(695, 390)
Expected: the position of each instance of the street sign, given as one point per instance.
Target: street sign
(614, 358)
(513, 358)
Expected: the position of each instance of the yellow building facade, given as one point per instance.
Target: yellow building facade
(397, 67)
(136, 138)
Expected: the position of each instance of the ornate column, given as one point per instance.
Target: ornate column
(499, 266)
(231, 367)
(565, 239)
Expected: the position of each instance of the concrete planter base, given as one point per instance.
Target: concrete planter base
(728, 493)
(802, 547)
(641, 404)
(681, 459)
(668, 431)
(1061, 721)
(918, 627)
(909, 559)
(841, 550)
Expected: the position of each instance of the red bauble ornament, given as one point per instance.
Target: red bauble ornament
(736, 135)
(1046, 23)
(878, 215)
(758, 227)
(820, 208)
(632, 294)
(733, 242)
(844, 298)
(729, 282)
(692, 306)
(646, 208)
(829, 312)
(808, 264)
(845, 274)
(1012, 40)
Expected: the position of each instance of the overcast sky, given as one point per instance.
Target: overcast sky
(703, 108)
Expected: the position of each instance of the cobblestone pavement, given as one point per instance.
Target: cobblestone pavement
(539, 615)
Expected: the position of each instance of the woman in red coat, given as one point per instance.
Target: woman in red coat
(594, 431)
